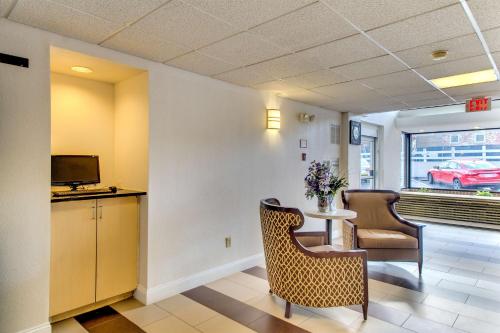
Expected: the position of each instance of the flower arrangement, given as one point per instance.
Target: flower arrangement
(322, 182)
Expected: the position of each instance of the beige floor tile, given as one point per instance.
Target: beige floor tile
(187, 310)
(318, 324)
(475, 326)
(423, 311)
(341, 314)
(127, 305)
(421, 325)
(169, 325)
(373, 325)
(464, 309)
(68, 326)
(489, 285)
(146, 315)
(472, 290)
(276, 307)
(234, 290)
(250, 281)
(221, 324)
(392, 290)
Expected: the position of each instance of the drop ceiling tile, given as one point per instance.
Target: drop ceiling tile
(243, 49)
(277, 86)
(372, 67)
(245, 76)
(307, 96)
(145, 45)
(467, 65)
(458, 48)
(493, 39)
(286, 66)
(348, 91)
(475, 89)
(114, 10)
(485, 12)
(430, 102)
(201, 64)
(63, 20)
(396, 84)
(309, 26)
(245, 14)
(375, 13)
(429, 95)
(316, 79)
(445, 23)
(381, 106)
(343, 51)
(496, 58)
(5, 6)
(185, 25)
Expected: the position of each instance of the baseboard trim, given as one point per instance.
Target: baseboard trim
(162, 291)
(42, 328)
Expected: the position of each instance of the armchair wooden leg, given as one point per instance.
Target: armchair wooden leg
(365, 310)
(288, 310)
(420, 266)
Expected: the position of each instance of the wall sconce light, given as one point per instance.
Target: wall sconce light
(273, 119)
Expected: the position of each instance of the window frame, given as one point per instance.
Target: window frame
(407, 139)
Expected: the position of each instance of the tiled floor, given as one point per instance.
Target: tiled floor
(459, 292)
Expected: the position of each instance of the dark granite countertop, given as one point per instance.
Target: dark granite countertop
(119, 193)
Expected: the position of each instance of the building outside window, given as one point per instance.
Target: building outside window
(461, 160)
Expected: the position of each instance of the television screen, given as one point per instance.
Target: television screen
(75, 169)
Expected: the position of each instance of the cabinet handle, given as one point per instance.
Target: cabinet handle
(100, 212)
(93, 213)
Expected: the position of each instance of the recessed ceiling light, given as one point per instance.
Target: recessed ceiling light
(421, 130)
(477, 127)
(439, 54)
(81, 69)
(465, 79)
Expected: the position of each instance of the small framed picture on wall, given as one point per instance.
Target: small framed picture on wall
(303, 143)
(355, 132)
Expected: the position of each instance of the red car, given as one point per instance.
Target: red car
(463, 173)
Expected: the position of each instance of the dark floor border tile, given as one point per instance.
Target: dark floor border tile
(240, 312)
(107, 319)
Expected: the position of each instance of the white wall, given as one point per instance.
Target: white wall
(210, 162)
(83, 121)
(131, 130)
(25, 179)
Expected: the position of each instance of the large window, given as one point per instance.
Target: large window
(462, 160)
(368, 162)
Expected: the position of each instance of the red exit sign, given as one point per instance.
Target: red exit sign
(477, 104)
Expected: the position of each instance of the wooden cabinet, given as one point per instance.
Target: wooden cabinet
(117, 246)
(73, 254)
(94, 251)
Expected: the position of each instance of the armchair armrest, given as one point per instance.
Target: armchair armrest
(349, 235)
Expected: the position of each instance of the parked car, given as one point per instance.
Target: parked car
(464, 173)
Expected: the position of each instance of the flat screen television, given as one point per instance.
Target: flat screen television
(74, 170)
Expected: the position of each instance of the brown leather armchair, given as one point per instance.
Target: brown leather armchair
(319, 276)
(379, 229)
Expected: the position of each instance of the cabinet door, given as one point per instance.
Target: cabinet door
(117, 246)
(73, 255)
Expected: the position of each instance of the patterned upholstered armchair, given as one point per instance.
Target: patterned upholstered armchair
(379, 229)
(324, 277)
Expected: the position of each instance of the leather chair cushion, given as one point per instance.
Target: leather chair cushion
(385, 239)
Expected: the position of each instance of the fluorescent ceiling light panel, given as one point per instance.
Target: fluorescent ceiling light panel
(465, 79)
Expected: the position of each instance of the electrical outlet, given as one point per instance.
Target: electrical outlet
(228, 242)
